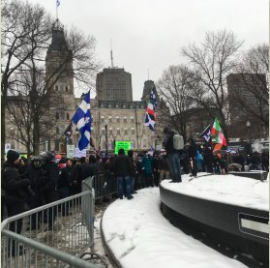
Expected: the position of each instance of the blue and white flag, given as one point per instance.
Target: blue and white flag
(57, 3)
(82, 119)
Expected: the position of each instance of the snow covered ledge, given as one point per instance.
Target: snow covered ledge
(235, 210)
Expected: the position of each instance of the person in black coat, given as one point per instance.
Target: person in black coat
(208, 158)
(16, 189)
(36, 199)
(192, 152)
(123, 171)
(64, 183)
(156, 168)
(49, 181)
(139, 174)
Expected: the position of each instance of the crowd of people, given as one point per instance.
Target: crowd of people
(44, 180)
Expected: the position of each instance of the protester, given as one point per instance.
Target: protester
(64, 183)
(164, 167)
(139, 174)
(36, 175)
(50, 181)
(156, 169)
(123, 171)
(147, 170)
(173, 155)
(208, 158)
(133, 173)
(16, 191)
(192, 151)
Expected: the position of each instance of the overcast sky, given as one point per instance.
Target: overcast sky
(148, 34)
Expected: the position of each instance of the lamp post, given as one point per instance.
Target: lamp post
(106, 138)
(248, 124)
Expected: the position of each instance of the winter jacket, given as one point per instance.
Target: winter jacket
(122, 166)
(14, 185)
(64, 178)
(147, 164)
(168, 144)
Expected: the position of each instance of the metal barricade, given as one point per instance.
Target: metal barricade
(104, 184)
(50, 235)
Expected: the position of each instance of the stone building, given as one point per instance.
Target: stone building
(122, 120)
(116, 117)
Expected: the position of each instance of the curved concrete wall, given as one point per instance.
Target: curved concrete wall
(241, 228)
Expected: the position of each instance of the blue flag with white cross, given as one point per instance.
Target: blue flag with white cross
(82, 119)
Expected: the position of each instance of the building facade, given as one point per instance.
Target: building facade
(115, 116)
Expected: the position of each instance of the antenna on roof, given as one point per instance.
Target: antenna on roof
(111, 54)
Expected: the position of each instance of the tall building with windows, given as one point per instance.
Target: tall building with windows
(122, 120)
(114, 84)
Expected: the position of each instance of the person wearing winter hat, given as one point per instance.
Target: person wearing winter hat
(16, 192)
(13, 157)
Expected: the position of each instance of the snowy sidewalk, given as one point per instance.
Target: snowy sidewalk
(139, 236)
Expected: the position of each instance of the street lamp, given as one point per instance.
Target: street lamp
(106, 138)
(248, 124)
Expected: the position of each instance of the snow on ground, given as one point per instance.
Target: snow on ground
(139, 235)
(228, 189)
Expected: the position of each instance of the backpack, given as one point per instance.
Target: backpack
(178, 142)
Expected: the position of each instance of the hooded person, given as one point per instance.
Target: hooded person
(16, 189)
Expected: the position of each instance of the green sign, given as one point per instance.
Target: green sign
(126, 145)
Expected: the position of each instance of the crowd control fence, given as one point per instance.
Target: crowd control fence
(58, 234)
(104, 184)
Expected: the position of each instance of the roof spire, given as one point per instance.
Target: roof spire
(111, 55)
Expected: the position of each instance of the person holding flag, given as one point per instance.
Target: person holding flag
(217, 135)
(208, 156)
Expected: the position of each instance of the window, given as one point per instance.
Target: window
(110, 131)
(57, 130)
(56, 88)
(125, 119)
(66, 88)
(110, 119)
(67, 116)
(117, 119)
(118, 131)
(61, 88)
(133, 131)
(57, 115)
(102, 119)
(11, 117)
(126, 131)
(132, 120)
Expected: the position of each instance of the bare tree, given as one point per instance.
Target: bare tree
(37, 73)
(19, 20)
(250, 92)
(212, 61)
(175, 88)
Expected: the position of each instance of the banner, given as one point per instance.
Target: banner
(70, 151)
(80, 154)
(126, 145)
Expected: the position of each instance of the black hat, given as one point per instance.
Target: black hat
(12, 156)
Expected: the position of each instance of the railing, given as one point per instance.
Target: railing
(54, 235)
(104, 184)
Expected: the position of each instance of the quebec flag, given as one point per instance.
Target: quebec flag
(82, 119)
